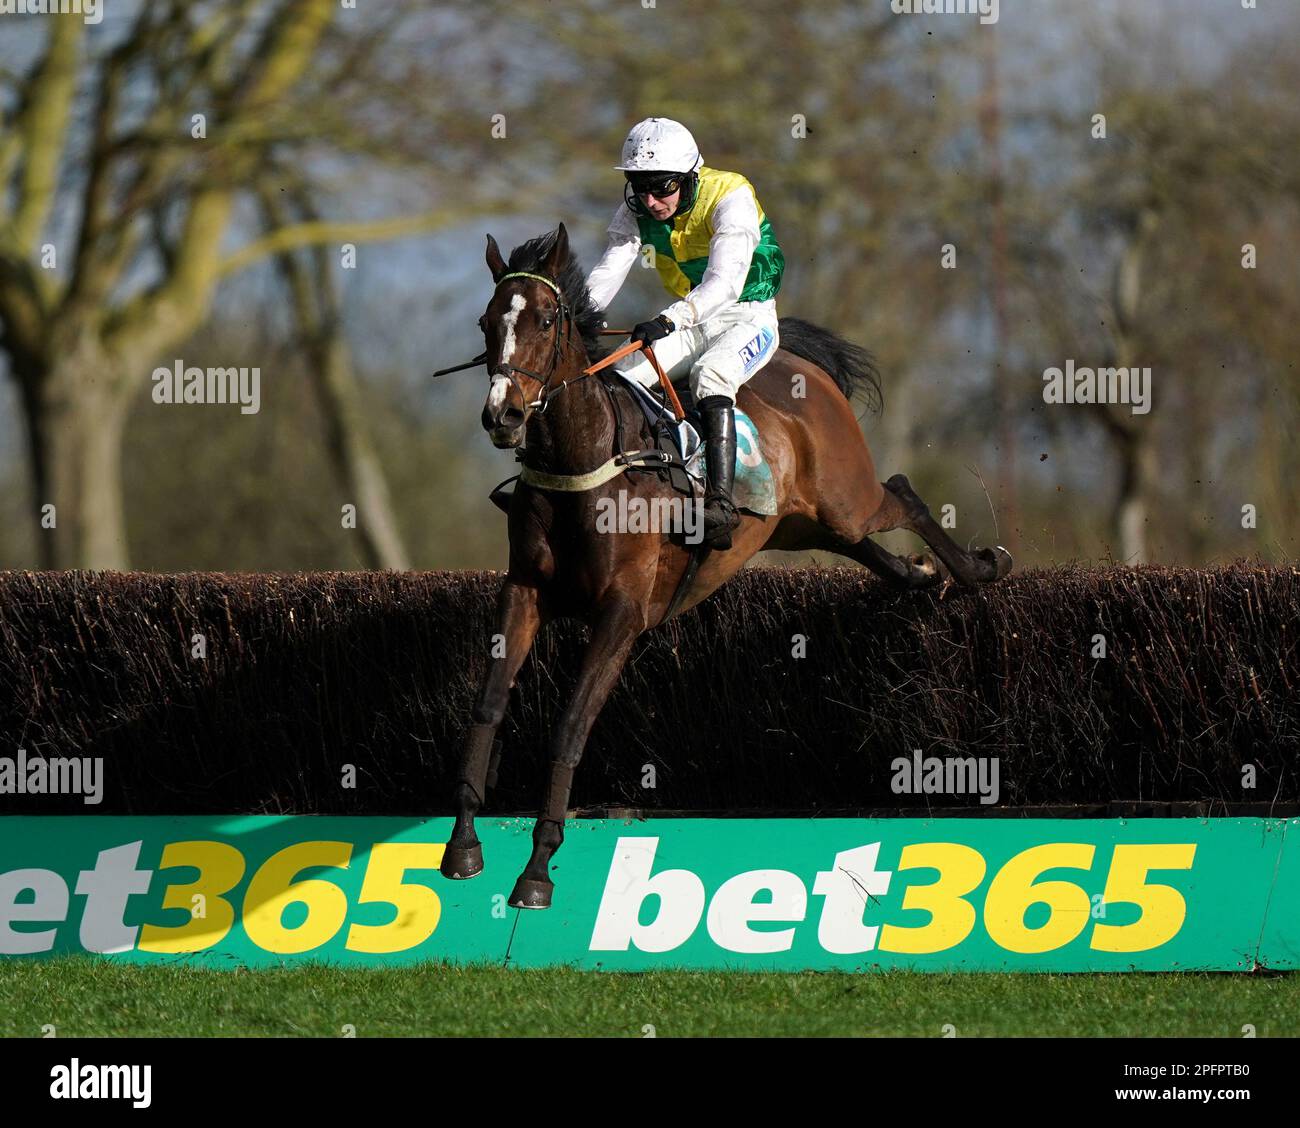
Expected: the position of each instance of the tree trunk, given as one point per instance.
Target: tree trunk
(353, 454)
(76, 418)
(1138, 475)
(317, 309)
(1139, 472)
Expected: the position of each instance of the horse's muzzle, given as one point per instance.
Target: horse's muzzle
(504, 423)
(507, 432)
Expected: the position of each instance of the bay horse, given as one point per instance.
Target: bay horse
(541, 331)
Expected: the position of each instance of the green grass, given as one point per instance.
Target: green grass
(83, 996)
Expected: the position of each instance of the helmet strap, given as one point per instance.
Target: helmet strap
(633, 201)
(690, 189)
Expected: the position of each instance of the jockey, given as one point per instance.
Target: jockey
(714, 250)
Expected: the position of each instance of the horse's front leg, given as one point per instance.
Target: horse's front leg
(518, 618)
(612, 636)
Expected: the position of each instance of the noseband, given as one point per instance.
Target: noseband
(563, 331)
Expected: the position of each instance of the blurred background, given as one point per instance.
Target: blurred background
(323, 220)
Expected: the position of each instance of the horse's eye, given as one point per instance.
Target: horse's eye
(548, 322)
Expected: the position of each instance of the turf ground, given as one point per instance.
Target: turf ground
(85, 997)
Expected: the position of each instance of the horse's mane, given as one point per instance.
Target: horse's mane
(572, 281)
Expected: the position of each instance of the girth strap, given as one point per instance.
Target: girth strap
(576, 483)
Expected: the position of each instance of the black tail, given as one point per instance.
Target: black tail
(851, 367)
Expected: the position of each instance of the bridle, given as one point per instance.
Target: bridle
(563, 333)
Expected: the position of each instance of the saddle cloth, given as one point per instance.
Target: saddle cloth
(754, 488)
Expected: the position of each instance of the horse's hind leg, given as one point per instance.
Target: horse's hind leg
(805, 535)
(901, 571)
(518, 619)
(979, 567)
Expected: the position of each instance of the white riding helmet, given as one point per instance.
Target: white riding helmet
(660, 145)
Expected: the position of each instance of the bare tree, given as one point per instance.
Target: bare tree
(156, 199)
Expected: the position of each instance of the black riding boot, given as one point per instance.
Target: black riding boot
(720, 516)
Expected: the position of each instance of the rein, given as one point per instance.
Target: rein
(623, 460)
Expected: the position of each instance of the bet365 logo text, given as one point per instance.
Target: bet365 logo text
(364, 900)
(1020, 911)
(278, 912)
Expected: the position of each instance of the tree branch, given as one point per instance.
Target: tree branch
(173, 308)
(42, 126)
(315, 232)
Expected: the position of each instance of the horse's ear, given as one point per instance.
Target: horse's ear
(559, 253)
(495, 262)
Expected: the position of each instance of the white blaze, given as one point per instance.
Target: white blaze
(517, 304)
(497, 396)
(501, 384)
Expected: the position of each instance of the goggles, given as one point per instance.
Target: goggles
(655, 184)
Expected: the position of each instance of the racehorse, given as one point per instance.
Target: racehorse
(542, 332)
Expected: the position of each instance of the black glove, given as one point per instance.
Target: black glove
(652, 331)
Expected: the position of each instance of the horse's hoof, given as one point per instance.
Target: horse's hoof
(924, 570)
(462, 862)
(998, 558)
(531, 894)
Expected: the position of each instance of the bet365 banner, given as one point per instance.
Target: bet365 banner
(944, 894)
